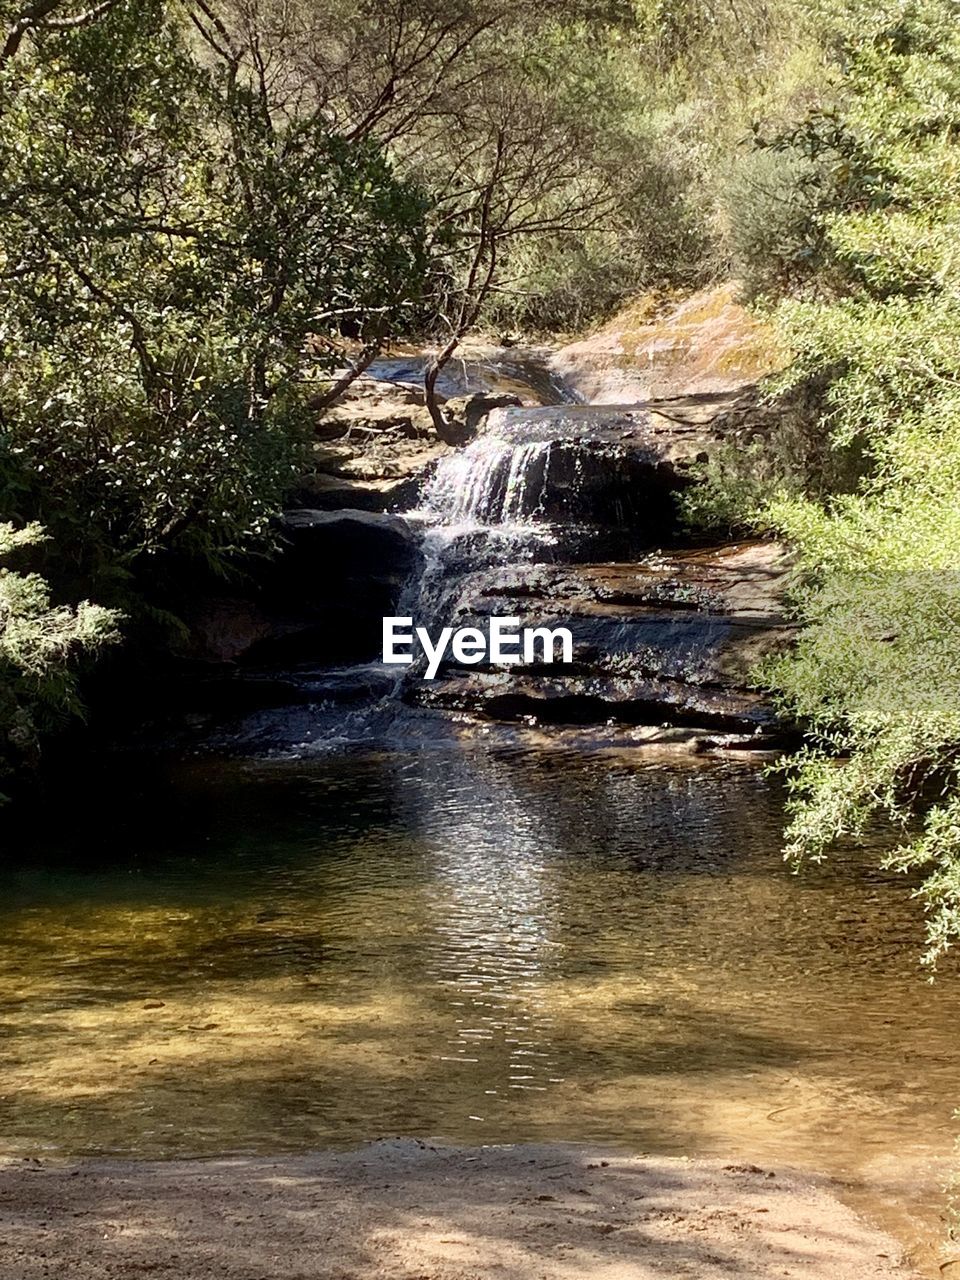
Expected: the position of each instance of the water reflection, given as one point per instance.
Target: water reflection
(493, 940)
(471, 943)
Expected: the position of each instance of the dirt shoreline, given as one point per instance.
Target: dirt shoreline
(414, 1211)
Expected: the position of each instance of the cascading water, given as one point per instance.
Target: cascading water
(490, 503)
(568, 469)
(550, 485)
(493, 481)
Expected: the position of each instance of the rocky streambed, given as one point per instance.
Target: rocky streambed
(491, 940)
(667, 642)
(552, 511)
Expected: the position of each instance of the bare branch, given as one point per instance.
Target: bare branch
(81, 19)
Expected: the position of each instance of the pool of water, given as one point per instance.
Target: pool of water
(477, 944)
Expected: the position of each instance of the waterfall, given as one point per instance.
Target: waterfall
(485, 504)
(493, 481)
(533, 471)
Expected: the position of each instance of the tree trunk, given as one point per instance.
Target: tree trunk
(430, 388)
(367, 356)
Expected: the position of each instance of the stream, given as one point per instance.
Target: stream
(371, 917)
(480, 943)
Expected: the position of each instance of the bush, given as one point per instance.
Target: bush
(40, 648)
(772, 202)
(875, 676)
(167, 318)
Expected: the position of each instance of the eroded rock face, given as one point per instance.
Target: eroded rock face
(339, 574)
(582, 469)
(549, 513)
(670, 639)
(706, 344)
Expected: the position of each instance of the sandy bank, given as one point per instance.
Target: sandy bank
(412, 1211)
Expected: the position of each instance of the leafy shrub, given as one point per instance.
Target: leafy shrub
(875, 675)
(776, 239)
(40, 647)
(168, 316)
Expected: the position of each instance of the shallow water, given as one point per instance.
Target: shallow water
(479, 944)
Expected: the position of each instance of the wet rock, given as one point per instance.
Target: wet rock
(577, 468)
(368, 392)
(226, 627)
(325, 492)
(322, 598)
(669, 640)
(339, 573)
(464, 414)
(364, 533)
(589, 699)
(509, 368)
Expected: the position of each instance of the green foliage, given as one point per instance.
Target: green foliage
(40, 647)
(174, 258)
(714, 77)
(731, 493)
(181, 255)
(773, 199)
(665, 99)
(783, 453)
(649, 226)
(875, 676)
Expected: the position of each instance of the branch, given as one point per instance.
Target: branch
(27, 21)
(225, 46)
(36, 19)
(354, 369)
(80, 19)
(138, 335)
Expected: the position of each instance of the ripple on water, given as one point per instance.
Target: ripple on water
(475, 944)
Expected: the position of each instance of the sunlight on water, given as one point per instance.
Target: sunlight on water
(474, 944)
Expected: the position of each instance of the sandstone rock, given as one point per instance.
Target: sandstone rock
(224, 628)
(707, 343)
(322, 598)
(464, 414)
(327, 492)
(395, 393)
(671, 639)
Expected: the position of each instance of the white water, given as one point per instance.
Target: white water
(493, 481)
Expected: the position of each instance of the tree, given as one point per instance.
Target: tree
(874, 676)
(179, 255)
(521, 171)
(40, 647)
(44, 17)
(465, 97)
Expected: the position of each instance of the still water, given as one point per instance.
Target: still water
(479, 944)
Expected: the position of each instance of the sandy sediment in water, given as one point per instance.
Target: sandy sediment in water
(412, 1211)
